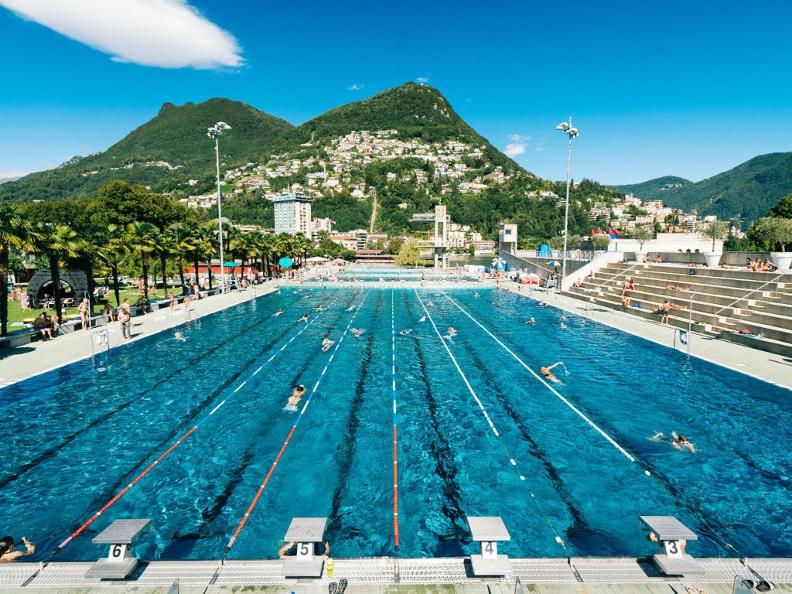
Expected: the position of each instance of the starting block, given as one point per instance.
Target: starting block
(489, 530)
(119, 562)
(673, 536)
(306, 532)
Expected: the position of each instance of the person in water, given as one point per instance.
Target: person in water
(452, 331)
(318, 308)
(327, 344)
(547, 372)
(405, 332)
(680, 442)
(423, 319)
(304, 318)
(8, 550)
(532, 320)
(350, 308)
(357, 331)
(297, 393)
(277, 313)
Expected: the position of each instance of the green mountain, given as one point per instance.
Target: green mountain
(655, 189)
(413, 110)
(746, 192)
(164, 153)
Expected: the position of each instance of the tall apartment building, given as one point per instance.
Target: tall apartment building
(293, 213)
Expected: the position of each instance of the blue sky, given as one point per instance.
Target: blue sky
(656, 88)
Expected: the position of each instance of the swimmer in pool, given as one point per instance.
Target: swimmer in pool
(547, 372)
(179, 336)
(564, 318)
(318, 308)
(452, 331)
(327, 344)
(350, 308)
(405, 332)
(423, 319)
(304, 318)
(476, 295)
(430, 304)
(532, 320)
(357, 331)
(681, 442)
(277, 314)
(297, 393)
(563, 326)
(542, 304)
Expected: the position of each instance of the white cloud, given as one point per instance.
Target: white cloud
(514, 149)
(161, 33)
(12, 173)
(422, 79)
(519, 138)
(355, 87)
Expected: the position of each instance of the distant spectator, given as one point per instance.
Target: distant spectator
(85, 310)
(40, 325)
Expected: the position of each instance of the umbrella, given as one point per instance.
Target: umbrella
(285, 262)
(554, 263)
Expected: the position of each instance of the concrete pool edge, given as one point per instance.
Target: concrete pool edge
(367, 574)
(71, 348)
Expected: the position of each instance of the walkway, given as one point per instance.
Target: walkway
(769, 367)
(22, 362)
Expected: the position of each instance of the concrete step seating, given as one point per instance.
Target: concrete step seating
(723, 301)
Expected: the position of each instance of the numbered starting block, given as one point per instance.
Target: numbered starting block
(673, 536)
(489, 530)
(119, 563)
(305, 532)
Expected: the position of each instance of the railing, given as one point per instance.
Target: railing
(759, 288)
(622, 273)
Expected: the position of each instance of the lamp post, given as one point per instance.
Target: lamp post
(214, 133)
(571, 132)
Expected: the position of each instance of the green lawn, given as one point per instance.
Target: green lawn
(15, 313)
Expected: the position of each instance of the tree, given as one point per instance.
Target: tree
(395, 245)
(14, 232)
(783, 209)
(113, 252)
(717, 230)
(183, 241)
(409, 256)
(56, 242)
(774, 231)
(601, 242)
(142, 236)
(642, 235)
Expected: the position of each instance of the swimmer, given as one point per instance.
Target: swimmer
(357, 331)
(318, 308)
(658, 436)
(563, 326)
(431, 303)
(350, 308)
(178, 336)
(297, 393)
(327, 344)
(542, 304)
(304, 318)
(452, 331)
(564, 318)
(547, 372)
(532, 320)
(405, 332)
(423, 319)
(277, 314)
(476, 295)
(681, 442)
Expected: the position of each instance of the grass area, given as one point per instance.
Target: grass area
(16, 315)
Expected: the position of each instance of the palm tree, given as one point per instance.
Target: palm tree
(113, 252)
(142, 237)
(56, 242)
(164, 247)
(184, 242)
(13, 234)
(302, 244)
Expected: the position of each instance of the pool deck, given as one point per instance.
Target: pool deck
(772, 368)
(592, 575)
(20, 363)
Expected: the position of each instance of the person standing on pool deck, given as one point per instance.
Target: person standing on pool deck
(8, 552)
(84, 309)
(125, 317)
(547, 372)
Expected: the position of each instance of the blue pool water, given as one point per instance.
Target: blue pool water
(76, 436)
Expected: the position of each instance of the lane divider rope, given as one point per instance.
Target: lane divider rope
(286, 442)
(395, 432)
(176, 444)
(512, 459)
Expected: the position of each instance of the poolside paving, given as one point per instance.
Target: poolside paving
(22, 362)
(763, 365)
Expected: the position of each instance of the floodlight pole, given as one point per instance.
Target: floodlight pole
(220, 217)
(214, 133)
(566, 204)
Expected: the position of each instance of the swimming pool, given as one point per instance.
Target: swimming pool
(375, 274)
(75, 436)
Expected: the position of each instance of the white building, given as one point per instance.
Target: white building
(293, 213)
